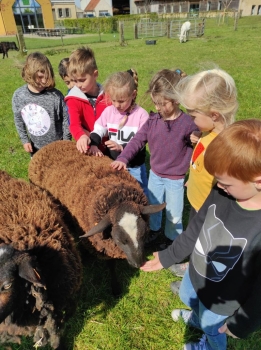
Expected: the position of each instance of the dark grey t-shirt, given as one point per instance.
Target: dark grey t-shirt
(40, 118)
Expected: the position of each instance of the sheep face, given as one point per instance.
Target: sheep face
(7, 276)
(129, 231)
(15, 270)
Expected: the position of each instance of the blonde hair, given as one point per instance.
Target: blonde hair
(163, 83)
(236, 151)
(209, 91)
(121, 84)
(37, 62)
(82, 61)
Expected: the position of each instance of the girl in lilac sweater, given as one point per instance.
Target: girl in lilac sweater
(167, 133)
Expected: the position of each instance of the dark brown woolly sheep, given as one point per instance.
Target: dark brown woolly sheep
(109, 206)
(40, 268)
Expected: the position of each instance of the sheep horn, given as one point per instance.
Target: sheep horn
(151, 209)
(102, 225)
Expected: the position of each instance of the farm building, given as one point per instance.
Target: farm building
(245, 7)
(33, 14)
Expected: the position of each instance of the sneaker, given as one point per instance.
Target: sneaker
(179, 269)
(201, 345)
(181, 313)
(185, 315)
(153, 235)
(174, 286)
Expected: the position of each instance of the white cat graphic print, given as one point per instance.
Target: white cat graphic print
(36, 118)
(216, 251)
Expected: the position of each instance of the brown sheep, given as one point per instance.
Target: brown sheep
(109, 206)
(40, 268)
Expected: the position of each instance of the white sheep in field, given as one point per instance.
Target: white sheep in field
(184, 32)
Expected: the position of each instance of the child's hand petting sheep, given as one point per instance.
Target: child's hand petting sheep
(83, 144)
(114, 146)
(95, 151)
(117, 165)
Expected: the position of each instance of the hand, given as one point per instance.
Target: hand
(95, 151)
(28, 147)
(82, 144)
(195, 136)
(224, 329)
(152, 265)
(117, 165)
(113, 146)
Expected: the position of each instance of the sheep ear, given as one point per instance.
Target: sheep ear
(151, 209)
(102, 225)
(27, 272)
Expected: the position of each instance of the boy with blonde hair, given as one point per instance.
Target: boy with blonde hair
(222, 285)
(86, 100)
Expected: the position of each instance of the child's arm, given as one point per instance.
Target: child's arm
(117, 165)
(113, 146)
(66, 132)
(95, 151)
(224, 329)
(83, 143)
(20, 125)
(134, 146)
(28, 147)
(152, 265)
(195, 136)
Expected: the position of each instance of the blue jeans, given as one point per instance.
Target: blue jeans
(202, 318)
(140, 174)
(172, 192)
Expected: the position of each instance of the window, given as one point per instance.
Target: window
(60, 12)
(67, 12)
(219, 5)
(208, 6)
(253, 9)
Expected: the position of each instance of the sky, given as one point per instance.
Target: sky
(78, 3)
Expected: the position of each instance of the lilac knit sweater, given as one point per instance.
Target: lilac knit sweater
(169, 145)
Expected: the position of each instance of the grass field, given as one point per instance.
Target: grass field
(140, 320)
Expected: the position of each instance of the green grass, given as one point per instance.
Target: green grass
(140, 320)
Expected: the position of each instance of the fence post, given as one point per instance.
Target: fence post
(168, 29)
(20, 39)
(135, 31)
(236, 21)
(121, 33)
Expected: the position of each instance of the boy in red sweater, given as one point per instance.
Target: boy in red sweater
(86, 100)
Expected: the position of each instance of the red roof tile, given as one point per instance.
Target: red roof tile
(92, 4)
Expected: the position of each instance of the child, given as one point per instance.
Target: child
(210, 97)
(222, 283)
(40, 113)
(85, 100)
(121, 121)
(62, 69)
(167, 133)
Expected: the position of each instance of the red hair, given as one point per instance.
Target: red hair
(236, 151)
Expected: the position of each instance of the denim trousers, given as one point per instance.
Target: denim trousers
(202, 318)
(140, 174)
(172, 192)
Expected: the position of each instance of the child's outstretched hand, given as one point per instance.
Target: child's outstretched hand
(113, 146)
(224, 329)
(195, 136)
(95, 151)
(83, 144)
(152, 265)
(118, 165)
